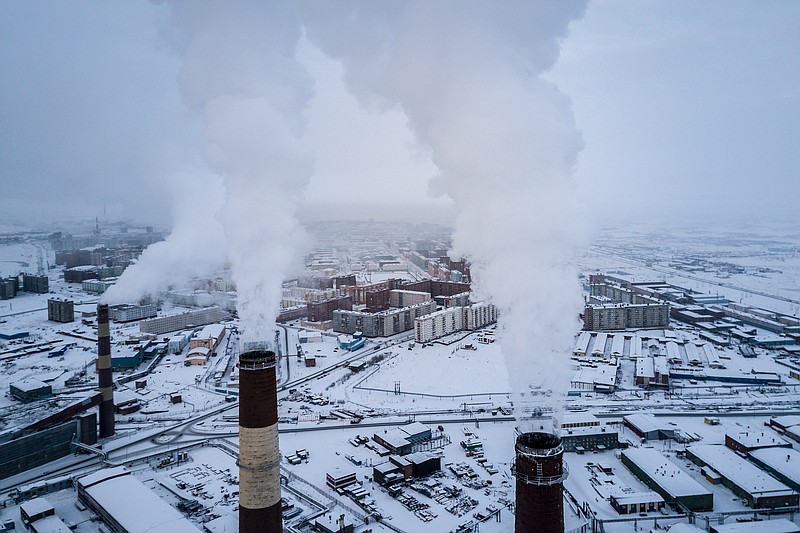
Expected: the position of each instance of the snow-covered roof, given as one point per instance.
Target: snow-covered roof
(664, 472)
(780, 525)
(758, 439)
(211, 331)
(644, 423)
(739, 471)
(29, 385)
(785, 461)
(50, 524)
(36, 506)
(638, 497)
(106, 486)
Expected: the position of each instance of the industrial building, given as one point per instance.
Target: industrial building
(129, 312)
(637, 502)
(340, 478)
(60, 310)
(30, 390)
(774, 525)
(648, 427)
(742, 477)
(210, 337)
(401, 440)
(590, 438)
(166, 324)
(178, 342)
(747, 441)
(667, 479)
(404, 467)
(615, 316)
(109, 493)
(26, 449)
(782, 463)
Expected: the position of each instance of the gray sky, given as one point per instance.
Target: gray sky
(692, 106)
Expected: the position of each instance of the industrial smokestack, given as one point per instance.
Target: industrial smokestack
(104, 372)
(259, 455)
(540, 472)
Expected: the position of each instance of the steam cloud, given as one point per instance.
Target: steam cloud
(468, 77)
(195, 247)
(239, 71)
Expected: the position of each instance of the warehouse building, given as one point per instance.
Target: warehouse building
(783, 463)
(30, 390)
(747, 441)
(742, 477)
(667, 479)
(210, 337)
(401, 440)
(776, 525)
(648, 427)
(110, 493)
(637, 502)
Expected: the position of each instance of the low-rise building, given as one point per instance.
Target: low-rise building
(742, 477)
(747, 441)
(30, 390)
(667, 479)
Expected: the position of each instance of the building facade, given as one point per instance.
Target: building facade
(60, 310)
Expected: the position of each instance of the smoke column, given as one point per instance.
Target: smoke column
(239, 71)
(468, 77)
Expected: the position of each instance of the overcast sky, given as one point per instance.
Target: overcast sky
(684, 107)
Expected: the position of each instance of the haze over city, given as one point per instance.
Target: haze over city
(402, 266)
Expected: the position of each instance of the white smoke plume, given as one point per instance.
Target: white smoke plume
(467, 75)
(195, 247)
(240, 73)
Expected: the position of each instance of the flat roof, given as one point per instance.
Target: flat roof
(780, 525)
(36, 506)
(50, 524)
(105, 488)
(637, 497)
(644, 423)
(664, 472)
(740, 472)
(785, 461)
(758, 439)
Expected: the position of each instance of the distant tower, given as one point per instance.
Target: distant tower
(259, 455)
(104, 372)
(540, 472)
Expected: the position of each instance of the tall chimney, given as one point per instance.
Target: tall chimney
(104, 372)
(259, 455)
(540, 473)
